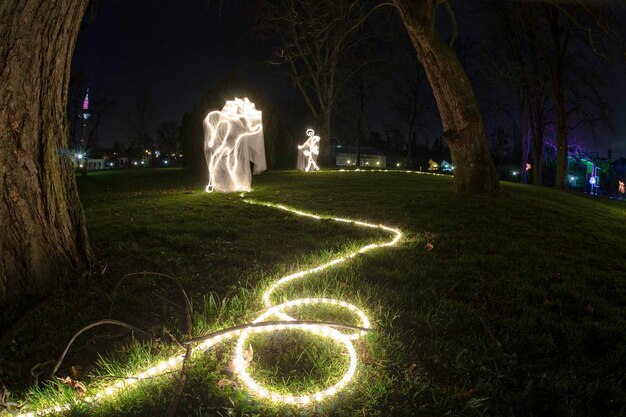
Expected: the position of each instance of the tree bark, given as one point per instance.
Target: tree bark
(43, 236)
(462, 123)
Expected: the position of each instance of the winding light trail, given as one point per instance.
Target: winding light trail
(261, 324)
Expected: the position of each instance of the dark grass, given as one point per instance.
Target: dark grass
(519, 308)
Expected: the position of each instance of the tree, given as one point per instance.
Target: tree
(569, 30)
(315, 36)
(43, 236)
(410, 100)
(140, 119)
(460, 117)
(168, 134)
(101, 107)
(512, 58)
(84, 134)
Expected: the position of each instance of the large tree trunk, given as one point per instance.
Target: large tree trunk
(460, 117)
(43, 237)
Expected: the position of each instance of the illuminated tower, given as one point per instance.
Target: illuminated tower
(84, 116)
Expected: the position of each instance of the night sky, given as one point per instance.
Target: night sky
(177, 49)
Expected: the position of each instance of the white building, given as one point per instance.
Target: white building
(95, 164)
(345, 156)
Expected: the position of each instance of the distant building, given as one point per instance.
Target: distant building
(446, 166)
(345, 155)
(82, 161)
(95, 164)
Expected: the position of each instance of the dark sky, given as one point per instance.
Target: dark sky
(613, 74)
(177, 49)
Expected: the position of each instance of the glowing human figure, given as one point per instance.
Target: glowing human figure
(233, 138)
(622, 189)
(309, 150)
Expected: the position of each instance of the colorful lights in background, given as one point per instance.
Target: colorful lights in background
(446, 166)
(594, 180)
(233, 138)
(86, 101)
(309, 150)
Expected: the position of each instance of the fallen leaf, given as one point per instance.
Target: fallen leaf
(230, 368)
(78, 386)
(429, 246)
(248, 355)
(225, 383)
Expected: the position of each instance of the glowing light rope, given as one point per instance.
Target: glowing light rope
(233, 138)
(434, 174)
(323, 330)
(309, 150)
(261, 325)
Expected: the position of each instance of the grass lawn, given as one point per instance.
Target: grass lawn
(517, 309)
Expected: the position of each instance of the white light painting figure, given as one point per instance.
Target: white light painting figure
(309, 150)
(233, 138)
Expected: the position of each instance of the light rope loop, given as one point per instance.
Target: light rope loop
(257, 326)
